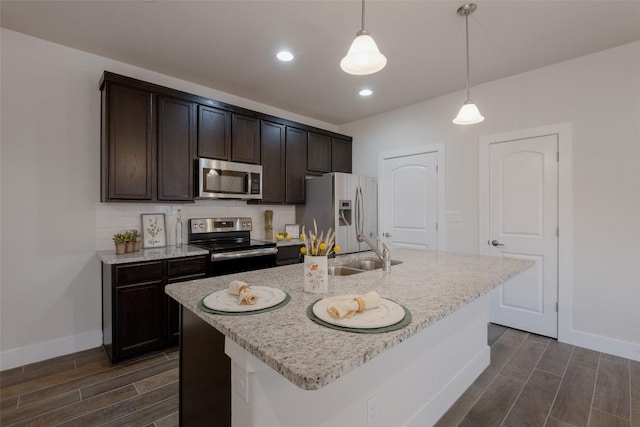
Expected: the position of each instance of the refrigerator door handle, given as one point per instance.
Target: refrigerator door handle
(362, 212)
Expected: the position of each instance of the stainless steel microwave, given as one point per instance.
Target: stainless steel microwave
(218, 179)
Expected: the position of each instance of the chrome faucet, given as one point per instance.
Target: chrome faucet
(385, 255)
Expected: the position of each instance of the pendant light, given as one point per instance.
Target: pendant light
(469, 113)
(363, 56)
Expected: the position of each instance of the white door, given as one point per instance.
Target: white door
(410, 201)
(523, 221)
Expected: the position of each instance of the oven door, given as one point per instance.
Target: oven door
(245, 260)
(229, 180)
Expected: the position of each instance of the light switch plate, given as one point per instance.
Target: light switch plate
(453, 216)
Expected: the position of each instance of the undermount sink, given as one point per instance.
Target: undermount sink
(359, 266)
(369, 264)
(340, 270)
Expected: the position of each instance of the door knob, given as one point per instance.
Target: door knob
(496, 243)
(386, 234)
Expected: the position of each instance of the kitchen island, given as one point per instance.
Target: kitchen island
(289, 371)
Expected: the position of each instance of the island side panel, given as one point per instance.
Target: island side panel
(413, 383)
(205, 374)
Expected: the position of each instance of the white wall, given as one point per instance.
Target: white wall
(50, 186)
(599, 95)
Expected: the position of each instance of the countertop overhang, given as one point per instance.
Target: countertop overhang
(430, 284)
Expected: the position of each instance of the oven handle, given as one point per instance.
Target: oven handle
(243, 254)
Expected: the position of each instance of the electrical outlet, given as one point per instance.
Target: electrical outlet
(241, 384)
(372, 411)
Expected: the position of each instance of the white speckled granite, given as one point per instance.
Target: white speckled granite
(283, 242)
(430, 284)
(110, 257)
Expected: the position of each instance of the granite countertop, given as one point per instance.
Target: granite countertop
(110, 257)
(282, 242)
(430, 284)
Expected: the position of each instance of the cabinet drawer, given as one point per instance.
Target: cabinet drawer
(142, 272)
(187, 268)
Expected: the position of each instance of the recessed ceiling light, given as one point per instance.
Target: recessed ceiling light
(285, 56)
(366, 92)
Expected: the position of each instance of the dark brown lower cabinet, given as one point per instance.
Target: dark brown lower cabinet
(205, 374)
(138, 318)
(288, 255)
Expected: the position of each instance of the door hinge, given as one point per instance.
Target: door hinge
(557, 156)
(557, 231)
(436, 168)
(436, 226)
(556, 307)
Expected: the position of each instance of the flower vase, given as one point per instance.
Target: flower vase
(316, 277)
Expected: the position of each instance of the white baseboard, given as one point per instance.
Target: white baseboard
(49, 349)
(621, 348)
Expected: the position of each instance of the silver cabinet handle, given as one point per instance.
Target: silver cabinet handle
(496, 243)
(386, 234)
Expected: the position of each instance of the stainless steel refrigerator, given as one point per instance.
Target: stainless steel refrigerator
(345, 203)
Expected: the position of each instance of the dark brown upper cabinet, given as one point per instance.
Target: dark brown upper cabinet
(176, 148)
(214, 133)
(318, 153)
(272, 141)
(151, 136)
(245, 139)
(341, 155)
(295, 170)
(128, 144)
(148, 145)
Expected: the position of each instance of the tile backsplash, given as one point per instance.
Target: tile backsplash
(112, 218)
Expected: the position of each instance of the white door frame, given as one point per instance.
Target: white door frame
(412, 151)
(565, 210)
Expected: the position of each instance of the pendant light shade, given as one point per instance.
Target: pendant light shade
(363, 57)
(469, 113)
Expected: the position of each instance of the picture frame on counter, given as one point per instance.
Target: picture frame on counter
(154, 231)
(292, 229)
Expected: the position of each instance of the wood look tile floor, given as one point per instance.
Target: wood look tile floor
(537, 381)
(532, 381)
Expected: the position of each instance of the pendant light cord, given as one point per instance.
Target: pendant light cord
(362, 15)
(466, 19)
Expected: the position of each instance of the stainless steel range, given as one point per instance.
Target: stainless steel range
(230, 246)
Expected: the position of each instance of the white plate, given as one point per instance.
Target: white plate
(386, 314)
(224, 301)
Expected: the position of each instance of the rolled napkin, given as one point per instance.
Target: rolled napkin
(245, 295)
(349, 307)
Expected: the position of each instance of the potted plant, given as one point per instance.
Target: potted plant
(119, 240)
(135, 237)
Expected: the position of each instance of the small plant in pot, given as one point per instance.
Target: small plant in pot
(129, 239)
(120, 241)
(135, 237)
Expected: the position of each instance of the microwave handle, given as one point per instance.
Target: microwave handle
(247, 183)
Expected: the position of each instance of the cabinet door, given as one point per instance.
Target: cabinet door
(179, 270)
(139, 318)
(214, 133)
(245, 139)
(289, 255)
(128, 144)
(318, 153)
(341, 156)
(176, 154)
(272, 140)
(296, 156)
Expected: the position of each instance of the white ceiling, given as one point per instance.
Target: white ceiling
(231, 45)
